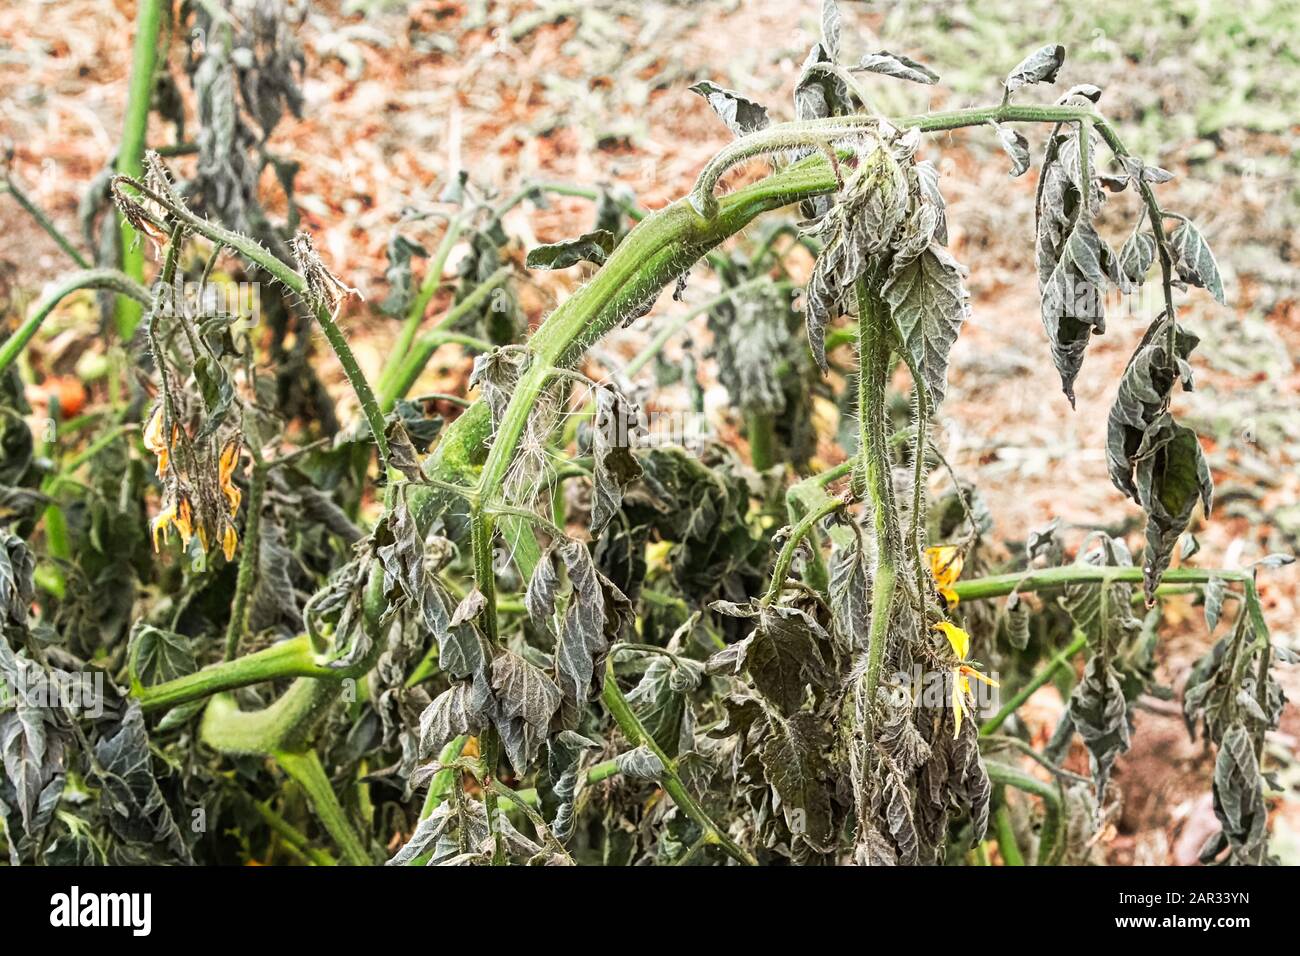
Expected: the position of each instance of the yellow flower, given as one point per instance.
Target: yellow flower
(226, 468)
(153, 440)
(945, 567)
(959, 640)
(178, 515)
(229, 541)
(184, 521)
(161, 523)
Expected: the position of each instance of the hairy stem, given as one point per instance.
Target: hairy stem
(45, 222)
(306, 770)
(247, 561)
(637, 735)
(877, 483)
(1045, 674)
(250, 250)
(135, 127)
(111, 279)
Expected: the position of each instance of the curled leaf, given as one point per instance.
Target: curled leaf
(896, 65)
(1041, 66)
(593, 247)
(741, 114)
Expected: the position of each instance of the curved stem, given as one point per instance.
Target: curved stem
(781, 569)
(636, 734)
(111, 279)
(412, 359)
(291, 658)
(1049, 840)
(819, 132)
(415, 314)
(291, 280)
(306, 770)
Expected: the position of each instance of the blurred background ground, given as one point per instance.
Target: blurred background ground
(401, 94)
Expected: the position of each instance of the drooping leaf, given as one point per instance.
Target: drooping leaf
(401, 451)
(1074, 263)
(1172, 475)
(398, 273)
(1194, 261)
(850, 595)
(1100, 714)
(641, 763)
(1015, 146)
(783, 655)
(1239, 797)
(795, 765)
(1136, 256)
(523, 690)
(741, 114)
(1215, 591)
(452, 713)
(928, 301)
(614, 465)
(130, 796)
(462, 649)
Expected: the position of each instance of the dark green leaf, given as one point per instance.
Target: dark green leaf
(593, 247)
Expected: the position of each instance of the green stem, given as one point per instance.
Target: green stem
(411, 361)
(1010, 849)
(291, 835)
(1051, 837)
(306, 770)
(874, 369)
(636, 734)
(1045, 674)
(1050, 579)
(785, 557)
(292, 658)
(247, 561)
(762, 439)
(135, 126)
(45, 222)
(110, 279)
(415, 314)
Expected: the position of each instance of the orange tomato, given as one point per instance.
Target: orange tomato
(69, 391)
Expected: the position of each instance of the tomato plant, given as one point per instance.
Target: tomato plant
(494, 626)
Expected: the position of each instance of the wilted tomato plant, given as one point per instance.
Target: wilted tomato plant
(518, 635)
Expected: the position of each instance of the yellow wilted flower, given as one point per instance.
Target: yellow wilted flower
(226, 473)
(229, 541)
(154, 441)
(960, 642)
(945, 567)
(178, 515)
(161, 523)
